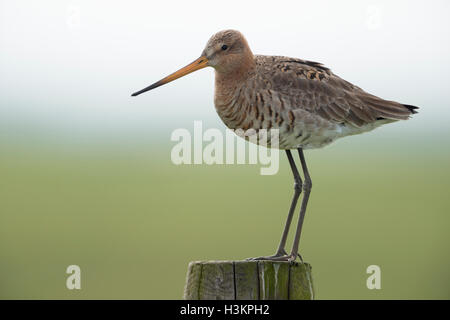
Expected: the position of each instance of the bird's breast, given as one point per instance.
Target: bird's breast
(233, 108)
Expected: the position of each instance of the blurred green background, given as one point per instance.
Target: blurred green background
(85, 170)
(132, 220)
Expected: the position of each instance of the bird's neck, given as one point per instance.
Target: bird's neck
(227, 81)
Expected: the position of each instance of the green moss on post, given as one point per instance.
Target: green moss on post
(248, 280)
(274, 281)
(300, 285)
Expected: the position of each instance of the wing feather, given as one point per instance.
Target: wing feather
(312, 87)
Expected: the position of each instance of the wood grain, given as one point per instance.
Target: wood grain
(248, 280)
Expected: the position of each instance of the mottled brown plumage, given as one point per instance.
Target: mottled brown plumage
(308, 104)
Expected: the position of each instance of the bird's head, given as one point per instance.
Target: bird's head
(226, 51)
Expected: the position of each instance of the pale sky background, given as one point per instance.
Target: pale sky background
(69, 67)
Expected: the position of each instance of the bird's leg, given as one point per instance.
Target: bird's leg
(307, 185)
(297, 190)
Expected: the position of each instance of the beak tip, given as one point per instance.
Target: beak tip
(138, 92)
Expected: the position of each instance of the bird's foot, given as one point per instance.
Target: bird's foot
(279, 256)
(275, 257)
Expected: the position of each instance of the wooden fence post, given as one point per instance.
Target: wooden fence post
(248, 280)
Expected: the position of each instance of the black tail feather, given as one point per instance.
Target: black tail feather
(411, 108)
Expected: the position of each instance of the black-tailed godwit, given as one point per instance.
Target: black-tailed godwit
(309, 105)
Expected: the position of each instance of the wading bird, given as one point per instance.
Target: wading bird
(309, 105)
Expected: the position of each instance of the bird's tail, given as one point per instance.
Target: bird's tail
(385, 109)
(412, 109)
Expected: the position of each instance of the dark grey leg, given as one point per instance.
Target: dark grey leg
(297, 191)
(281, 253)
(307, 185)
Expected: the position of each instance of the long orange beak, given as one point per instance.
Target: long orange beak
(198, 64)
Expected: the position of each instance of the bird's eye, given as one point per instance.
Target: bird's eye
(224, 47)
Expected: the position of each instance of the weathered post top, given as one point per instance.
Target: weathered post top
(248, 280)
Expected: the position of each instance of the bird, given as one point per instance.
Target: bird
(305, 101)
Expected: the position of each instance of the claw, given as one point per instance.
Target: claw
(285, 257)
(279, 256)
(274, 257)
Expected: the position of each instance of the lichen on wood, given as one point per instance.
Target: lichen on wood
(248, 280)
